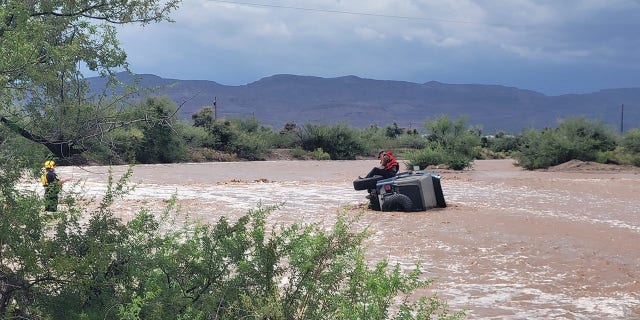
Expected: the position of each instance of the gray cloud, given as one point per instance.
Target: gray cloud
(539, 45)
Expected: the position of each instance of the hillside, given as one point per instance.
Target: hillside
(360, 102)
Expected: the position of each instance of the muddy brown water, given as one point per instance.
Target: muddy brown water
(512, 244)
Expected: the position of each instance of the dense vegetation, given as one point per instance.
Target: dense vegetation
(163, 138)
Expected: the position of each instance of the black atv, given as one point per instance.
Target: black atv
(407, 191)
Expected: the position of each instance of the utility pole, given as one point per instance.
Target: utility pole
(215, 108)
(622, 119)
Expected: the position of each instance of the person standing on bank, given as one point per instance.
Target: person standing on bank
(52, 186)
(388, 166)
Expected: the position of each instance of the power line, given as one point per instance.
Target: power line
(353, 13)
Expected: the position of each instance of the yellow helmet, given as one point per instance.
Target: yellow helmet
(49, 164)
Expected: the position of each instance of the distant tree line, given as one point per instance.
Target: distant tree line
(163, 138)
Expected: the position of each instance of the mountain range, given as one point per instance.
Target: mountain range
(360, 102)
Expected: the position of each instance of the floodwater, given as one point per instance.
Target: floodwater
(512, 244)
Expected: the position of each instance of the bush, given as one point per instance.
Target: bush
(448, 142)
(620, 156)
(408, 141)
(631, 141)
(501, 143)
(319, 154)
(243, 137)
(541, 149)
(126, 143)
(161, 142)
(373, 139)
(574, 138)
(340, 141)
(424, 158)
(251, 146)
(298, 153)
(16, 148)
(437, 156)
(196, 137)
(209, 155)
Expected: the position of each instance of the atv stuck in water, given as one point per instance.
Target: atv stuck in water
(407, 191)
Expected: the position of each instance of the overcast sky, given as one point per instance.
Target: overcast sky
(554, 47)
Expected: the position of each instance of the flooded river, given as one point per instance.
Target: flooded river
(512, 244)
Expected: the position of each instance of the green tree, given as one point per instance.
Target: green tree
(289, 128)
(245, 138)
(161, 141)
(223, 134)
(203, 117)
(43, 45)
(393, 131)
(125, 145)
(374, 139)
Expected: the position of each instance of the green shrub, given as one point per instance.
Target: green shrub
(161, 145)
(621, 156)
(373, 139)
(126, 143)
(288, 136)
(161, 142)
(16, 148)
(319, 154)
(251, 146)
(542, 149)
(408, 141)
(574, 138)
(298, 153)
(223, 136)
(209, 155)
(437, 156)
(501, 143)
(393, 131)
(485, 153)
(424, 158)
(340, 141)
(631, 141)
(196, 137)
(243, 137)
(449, 143)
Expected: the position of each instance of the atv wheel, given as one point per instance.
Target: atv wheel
(366, 183)
(374, 203)
(397, 202)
